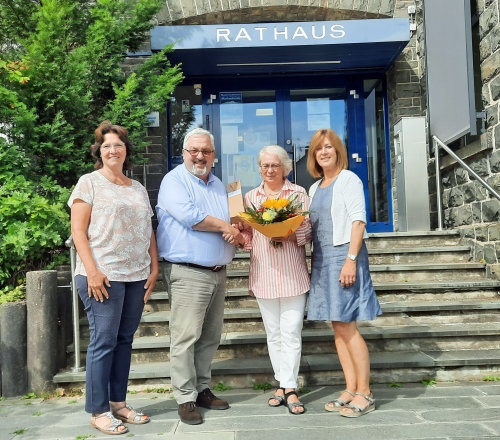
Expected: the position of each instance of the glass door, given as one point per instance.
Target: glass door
(284, 112)
(311, 110)
(185, 113)
(247, 122)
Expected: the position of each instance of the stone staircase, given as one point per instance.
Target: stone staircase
(441, 320)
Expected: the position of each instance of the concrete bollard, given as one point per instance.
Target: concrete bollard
(41, 300)
(13, 349)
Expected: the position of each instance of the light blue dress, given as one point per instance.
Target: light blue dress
(328, 301)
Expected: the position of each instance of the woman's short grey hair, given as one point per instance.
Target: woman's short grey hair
(198, 132)
(276, 150)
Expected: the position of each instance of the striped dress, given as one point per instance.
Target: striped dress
(278, 272)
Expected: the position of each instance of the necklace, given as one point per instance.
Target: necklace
(272, 194)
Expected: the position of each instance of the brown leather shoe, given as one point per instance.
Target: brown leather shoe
(189, 413)
(206, 399)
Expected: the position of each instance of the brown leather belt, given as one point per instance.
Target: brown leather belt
(197, 266)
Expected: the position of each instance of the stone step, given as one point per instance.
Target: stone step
(388, 307)
(324, 369)
(395, 240)
(449, 291)
(378, 338)
(392, 273)
(437, 254)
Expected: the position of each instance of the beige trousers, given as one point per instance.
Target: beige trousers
(196, 316)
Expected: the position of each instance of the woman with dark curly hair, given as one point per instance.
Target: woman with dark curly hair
(116, 270)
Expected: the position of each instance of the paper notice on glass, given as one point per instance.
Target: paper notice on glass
(231, 113)
(244, 170)
(318, 113)
(317, 122)
(229, 139)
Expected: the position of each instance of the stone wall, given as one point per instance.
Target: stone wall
(467, 205)
(249, 11)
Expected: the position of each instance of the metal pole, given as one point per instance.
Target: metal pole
(438, 187)
(144, 175)
(76, 314)
(464, 165)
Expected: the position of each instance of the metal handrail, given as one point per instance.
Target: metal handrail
(438, 143)
(76, 315)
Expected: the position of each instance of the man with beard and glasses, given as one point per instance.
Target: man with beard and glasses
(197, 241)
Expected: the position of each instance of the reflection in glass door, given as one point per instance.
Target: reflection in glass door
(247, 123)
(311, 110)
(185, 114)
(377, 160)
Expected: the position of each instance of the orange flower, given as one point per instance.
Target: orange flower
(281, 203)
(269, 203)
(276, 203)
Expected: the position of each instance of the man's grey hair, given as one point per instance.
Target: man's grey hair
(276, 150)
(198, 132)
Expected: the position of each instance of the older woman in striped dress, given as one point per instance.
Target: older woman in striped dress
(279, 277)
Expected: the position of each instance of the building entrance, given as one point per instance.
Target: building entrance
(245, 116)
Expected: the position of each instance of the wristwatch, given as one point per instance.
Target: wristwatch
(352, 257)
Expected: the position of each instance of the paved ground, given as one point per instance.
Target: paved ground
(444, 411)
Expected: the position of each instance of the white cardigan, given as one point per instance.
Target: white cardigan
(348, 205)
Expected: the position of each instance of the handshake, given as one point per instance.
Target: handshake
(232, 234)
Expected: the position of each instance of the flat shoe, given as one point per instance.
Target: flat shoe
(134, 417)
(280, 399)
(338, 404)
(356, 410)
(111, 428)
(292, 405)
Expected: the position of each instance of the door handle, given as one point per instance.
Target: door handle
(207, 122)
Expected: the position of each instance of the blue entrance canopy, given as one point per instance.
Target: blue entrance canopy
(343, 46)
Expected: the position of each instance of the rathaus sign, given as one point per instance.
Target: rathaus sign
(280, 32)
(311, 33)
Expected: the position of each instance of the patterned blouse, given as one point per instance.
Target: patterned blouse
(282, 271)
(120, 228)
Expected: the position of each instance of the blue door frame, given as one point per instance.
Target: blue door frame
(356, 130)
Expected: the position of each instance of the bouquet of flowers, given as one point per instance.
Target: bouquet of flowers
(275, 217)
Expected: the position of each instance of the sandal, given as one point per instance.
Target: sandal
(353, 410)
(280, 399)
(134, 417)
(112, 427)
(338, 404)
(292, 405)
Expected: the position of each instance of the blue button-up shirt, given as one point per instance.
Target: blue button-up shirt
(184, 200)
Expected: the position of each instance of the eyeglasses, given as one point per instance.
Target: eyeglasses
(273, 166)
(328, 148)
(107, 147)
(194, 152)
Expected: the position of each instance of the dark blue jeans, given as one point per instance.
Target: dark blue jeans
(112, 326)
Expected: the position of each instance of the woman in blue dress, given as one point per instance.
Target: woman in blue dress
(341, 286)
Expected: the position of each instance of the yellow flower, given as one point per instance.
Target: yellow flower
(269, 203)
(282, 203)
(269, 216)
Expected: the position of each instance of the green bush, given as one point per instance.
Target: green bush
(60, 76)
(34, 223)
(68, 78)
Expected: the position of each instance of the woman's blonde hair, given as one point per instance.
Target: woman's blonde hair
(312, 165)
